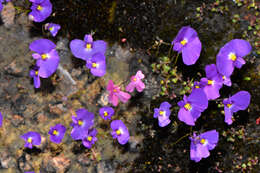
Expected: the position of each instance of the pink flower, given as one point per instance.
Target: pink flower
(136, 82)
(115, 94)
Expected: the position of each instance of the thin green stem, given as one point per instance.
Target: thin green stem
(169, 52)
(176, 59)
(181, 139)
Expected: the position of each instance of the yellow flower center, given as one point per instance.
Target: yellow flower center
(29, 140)
(89, 138)
(224, 77)
(94, 65)
(36, 73)
(88, 46)
(197, 86)
(134, 79)
(44, 56)
(162, 113)
(184, 42)
(105, 113)
(39, 7)
(229, 105)
(55, 132)
(80, 122)
(118, 132)
(187, 106)
(51, 28)
(232, 56)
(210, 82)
(114, 90)
(203, 141)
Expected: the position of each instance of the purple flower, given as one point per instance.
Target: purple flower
(81, 123)
(57, 133)
(53, 28)
(187, 42)
(47, 57)
(120, 131)
(197, 85)
(97, 64)
(1, 5)
(87, 48)
(192, 106)
(1, 119)
(90, 138)
(237, 102)
(106, 112)
(115, 93)
(31, 138)
(226, 80)
(212, 83)
(231, 55)
(34, 73)
(163, 113)
(136, 82)
(41, 9)
(200, 145)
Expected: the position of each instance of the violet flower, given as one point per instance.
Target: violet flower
(81, 123)
(1, 5)
(197, 85)
(136, 82)
(226, 80)
(57, 133)
(115, 93)
(31, 138)
(212, 83)
(41, 10)
(90, 138)
(47, 57)
(106, 112)
(34, 73)
(237, 102)
(231, 55)
(201, 144)
(1, 119)
(192, 106)
(53, 28)
(163, 113)
(120, 131)
(187, 42)
(97, 64)
(87, 48)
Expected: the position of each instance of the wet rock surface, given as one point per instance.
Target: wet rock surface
(150, 148)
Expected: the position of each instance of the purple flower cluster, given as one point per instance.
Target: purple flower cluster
(47, 60)
(230, 56)
(93, 52)
(41, 10)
